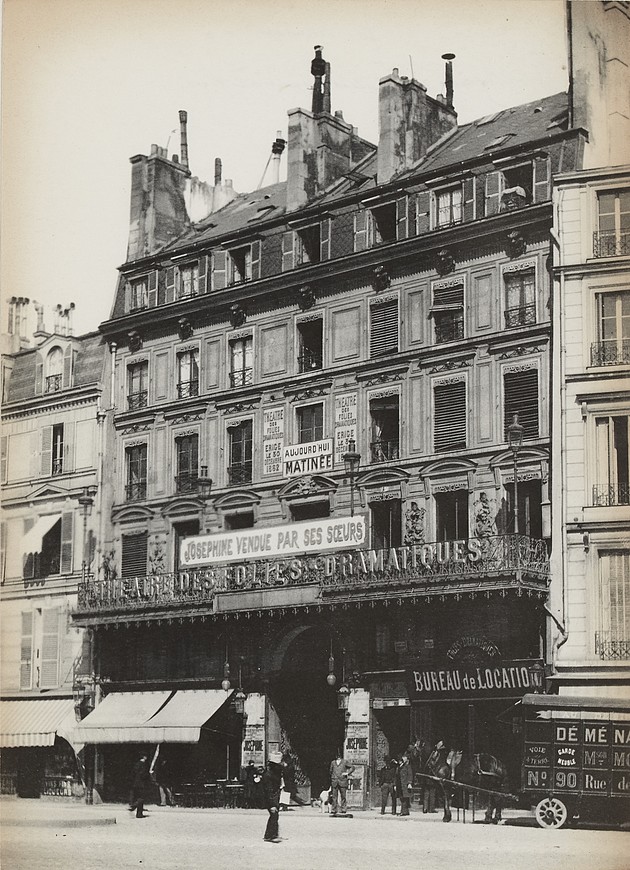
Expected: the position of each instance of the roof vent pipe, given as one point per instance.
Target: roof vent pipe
(326, 98)
(318, 71)
(277, 148)
(449, 78)
(218, 171)
(183, 120)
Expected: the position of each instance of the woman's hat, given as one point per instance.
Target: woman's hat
(275, 757)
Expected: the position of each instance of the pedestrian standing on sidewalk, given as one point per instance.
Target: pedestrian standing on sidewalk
(340, 769)
(140, 785)
(404, 781)
(387, 782)
(271, 785)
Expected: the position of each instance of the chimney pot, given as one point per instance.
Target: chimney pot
(218, 171)
(183, 121)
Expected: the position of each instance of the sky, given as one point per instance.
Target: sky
(87, 84)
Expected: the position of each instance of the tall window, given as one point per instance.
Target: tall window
(47, 560)
(240, 453)
(448, 207)
(188, 374)
(188, 281)
(310, 420)
(529, 508)
(386, 525)
(39, 649)
(54, 370)
(57, 448)
(239, 265)
(137, 385)
(385, 433)
(451, 515)
(187, 457)
(520, 302)
(384, 327)
(612, 238)
(241, 358)
(136, 470)
(613, 347)
(613, 638)
(138, 294)
(448, 313)
(310, 347)
(383, 224)
(449, 424)
(520, 396)
(308, 245)
(612, 486)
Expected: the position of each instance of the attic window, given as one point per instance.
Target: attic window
(517, 187)
(488, 118)
(384, 224)
(500, 140)
(261, 213)
(308, 245)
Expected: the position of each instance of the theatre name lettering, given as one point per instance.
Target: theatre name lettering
(511, 678)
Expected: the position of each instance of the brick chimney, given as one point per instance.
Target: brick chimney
(409, 123)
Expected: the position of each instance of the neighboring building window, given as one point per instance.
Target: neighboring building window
(386, 525)
(138, 294)
(188, 281)
(520, 396)
(310, 345)
(137, 385)
(529, 508)
(26, 651)
(612, 238)
(612, 486)
(55, 553)
(310, 511)
(310, 420)
(612, 641)
(520, 301)
(240, 453)
(57, 449)
(241, 357)
(136, 468)
(187, 374)
(133, 561)
(384, 328)
(448, 207)
(39, 649)
(385, 433)
(451, 515)
(613, 347)
(448, 313)
(54, 371)
(449, 425)
(240, 520)
(308, 245)
(187, 458)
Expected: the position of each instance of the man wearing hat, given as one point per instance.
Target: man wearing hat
(339, 772)
(271, 785)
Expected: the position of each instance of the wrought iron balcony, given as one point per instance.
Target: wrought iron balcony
(384, 451)
(240, 472)
(524, 315)
(242, 377)
(611, 494)
(136, 491)
(611, 352)
(137, 400)
(187, 389)
(309, 360)
(186, 483)
(611, 243)
(54, 383)
(610, 648)
(449, 329)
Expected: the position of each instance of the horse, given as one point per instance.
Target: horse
(481, 770)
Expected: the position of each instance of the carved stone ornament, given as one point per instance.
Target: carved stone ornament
(485, 525)
(414, 524)
(184, 328)
(515, 246)
(135, 341)
(305, 297)
(305, 486)
(444, 262)
(381, 278)
(157, 555)
(237, 315)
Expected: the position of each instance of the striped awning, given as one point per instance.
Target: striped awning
(34, 721)
(32, 541)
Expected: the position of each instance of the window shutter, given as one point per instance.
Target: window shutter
(450, 416)
(360, 230)
(68, 446)
(402, 205)
(67, 519)
(39, 375)
(203, 275)
(541, 179)
(256, 260)
(161, 292)
(134, 555)
(3, 550)
(4, 445)
(423, 212)
(324, 239)
(153, 285)
(26, 650)
(45, 451)
(493, 192)
(127, 296)
(67, 367)
(521, 397)
(170, 284)
(453, 296)
(28, 562)
(49, 658)
(384, 328)
(219, 270)
(288, 251)
(469, 199)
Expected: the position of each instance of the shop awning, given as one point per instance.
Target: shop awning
(121, 717)
(33, 721)
(182, 719)
(32, 540)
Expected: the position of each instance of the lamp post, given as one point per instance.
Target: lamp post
(515, 442)
(351, 461)
(86, 500)
(204, 483)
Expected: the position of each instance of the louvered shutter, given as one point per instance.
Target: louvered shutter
(49, 658)
(384, 328)
(452, 296)
(360, 230)
(67, 519)
(3, 550)
(423, 212)
(161, 293)
(520, 390)
(68, 446)
(324, 239)
(203, 275)
(4, 445)
(170, 284)
(256, 260)
(26, 650)
(288, 251)
(449, 431)
(219, 270)
(127, 297)
(152, 283)
(29, 559)
(45, 451)
(541, 179)
(469, 199)
(493, 192)
(402, 206)
(67, 367)
(39, 375)
(134, 555)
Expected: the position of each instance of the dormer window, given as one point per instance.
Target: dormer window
(448, 207)
(512, 187)
(240, 265)
(54, 370)
(188, 281)
(235, 265)
(308, 245)
(137, 294)
(383, 224)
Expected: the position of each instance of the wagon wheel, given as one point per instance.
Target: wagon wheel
(551, 813)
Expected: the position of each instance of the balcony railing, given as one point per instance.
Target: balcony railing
(447, 329)
(611, 352)
(524, 315)
(384, 451)
(610, 648)
(186, 483)
(309, 360)
(611, 494)
(54, 383)
(136, 491)
(57, 465)
(242, 377)
(611, 244)
(187, 389)
(137, 400)
(240, 472)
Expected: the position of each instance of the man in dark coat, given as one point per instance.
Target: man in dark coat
(271, 786)
(340, 769)
(404, 781)
(140, 785)
(387, 782)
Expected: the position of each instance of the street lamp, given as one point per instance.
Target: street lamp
(351, 461)
(515, 442)
(86, 500)
(331, 679)
(204, 483)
